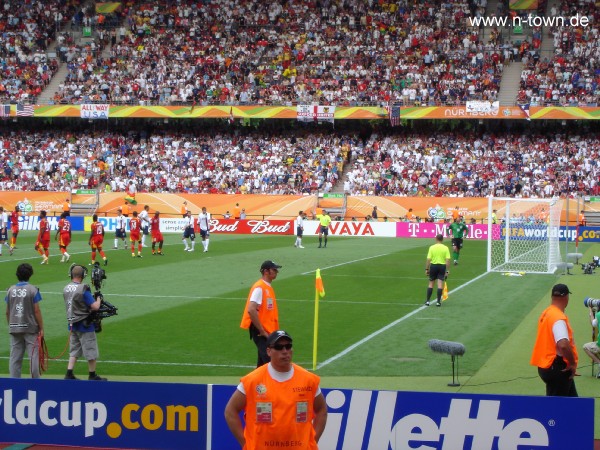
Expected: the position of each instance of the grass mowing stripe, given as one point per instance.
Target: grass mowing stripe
(387, 327)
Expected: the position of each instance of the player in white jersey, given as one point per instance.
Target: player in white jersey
(188, 232)
(120, 232)
(204, 225)
(3, 229)
(145, 223)
(299, 229)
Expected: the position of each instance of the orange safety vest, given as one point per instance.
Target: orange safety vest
(582, 219)
(268, 313)
(544, 350)
(279, 415)
(125, 209)
(66, 207)
(184, 210)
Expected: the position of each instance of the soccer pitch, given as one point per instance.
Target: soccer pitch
(179, 314)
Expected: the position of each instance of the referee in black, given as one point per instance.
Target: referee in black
(437, 268)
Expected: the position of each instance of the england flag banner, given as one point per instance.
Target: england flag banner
(315, 113)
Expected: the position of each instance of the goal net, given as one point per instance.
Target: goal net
(523, 235)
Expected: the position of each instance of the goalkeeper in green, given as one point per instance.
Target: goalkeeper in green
(458, 230)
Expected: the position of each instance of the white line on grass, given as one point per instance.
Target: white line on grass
(346, 263)
(157, 363)
(387, 327)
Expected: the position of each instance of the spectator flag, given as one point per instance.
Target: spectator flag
(319, 292)
(525, 108)
(4, 110)
(394, 114)
(315, 113)
(231, 118)
(24, 110)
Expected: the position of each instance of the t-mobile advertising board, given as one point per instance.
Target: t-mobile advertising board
(171, 415)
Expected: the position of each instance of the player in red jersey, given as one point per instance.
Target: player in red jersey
(135, 227)
(43, 240)
(96, 240)
(63, 236)
(157, 237)
(14, 228)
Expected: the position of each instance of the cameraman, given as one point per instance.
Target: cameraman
(592, 349)
(79, 303)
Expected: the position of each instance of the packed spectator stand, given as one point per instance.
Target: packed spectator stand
(230, 160)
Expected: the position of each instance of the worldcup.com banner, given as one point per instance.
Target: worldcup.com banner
(188, 416)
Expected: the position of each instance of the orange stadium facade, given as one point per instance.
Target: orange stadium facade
(392, 208)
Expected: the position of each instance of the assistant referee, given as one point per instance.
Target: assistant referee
(437, 268)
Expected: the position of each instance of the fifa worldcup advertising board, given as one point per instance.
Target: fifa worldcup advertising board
(190, 416)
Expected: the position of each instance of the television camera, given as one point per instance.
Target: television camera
(106, 308)
(589, 268)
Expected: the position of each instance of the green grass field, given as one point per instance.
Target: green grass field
(179, 314)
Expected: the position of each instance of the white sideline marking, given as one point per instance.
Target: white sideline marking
(158, 363)
(387, 327)
(346, 263)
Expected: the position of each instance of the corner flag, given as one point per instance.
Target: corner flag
(319, 292)
(319, 284)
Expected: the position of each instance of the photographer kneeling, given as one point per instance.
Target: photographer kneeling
(79, 303)
(592, 349)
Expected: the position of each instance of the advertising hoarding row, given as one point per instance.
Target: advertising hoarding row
(190, 416)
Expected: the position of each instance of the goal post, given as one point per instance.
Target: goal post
(523, 235)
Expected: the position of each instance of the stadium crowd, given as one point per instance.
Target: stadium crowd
(570, 77)
(27, 29)
(347, 52)
(304, 162)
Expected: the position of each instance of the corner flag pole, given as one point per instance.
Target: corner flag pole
(319, 292)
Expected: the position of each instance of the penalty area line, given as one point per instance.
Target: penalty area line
(388, 326)
(347, 262)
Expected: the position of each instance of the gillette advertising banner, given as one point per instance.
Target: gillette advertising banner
(168, 416)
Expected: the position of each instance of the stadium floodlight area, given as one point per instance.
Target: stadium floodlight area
(523, 235)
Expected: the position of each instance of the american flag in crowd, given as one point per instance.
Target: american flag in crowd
(394, 112)
(24, 110)
(4, 110)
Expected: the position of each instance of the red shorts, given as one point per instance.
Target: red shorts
(157, 237)
(45, 243)
(15, 230)
(96, 242)
(134, 236)
(64, 240)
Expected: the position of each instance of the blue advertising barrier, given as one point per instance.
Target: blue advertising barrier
(188, 416)
(589, 234)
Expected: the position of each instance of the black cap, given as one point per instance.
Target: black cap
(560, 290)
(269, 265)
(276, 335)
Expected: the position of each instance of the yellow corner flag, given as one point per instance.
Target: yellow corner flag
(445, 292)
(319, 292)
(319, 284)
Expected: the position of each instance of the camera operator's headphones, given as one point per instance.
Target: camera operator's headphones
(84, 269)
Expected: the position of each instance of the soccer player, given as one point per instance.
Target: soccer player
(458, 230)
(324, 220)
(3, 228)
(43, 240)
(135, 227)
(145, 218)
(299, 229)
(14, 228)
(188, 232)
(204, 225)
(64, 232)
(120, 232)
(97, 239)
(157, 237)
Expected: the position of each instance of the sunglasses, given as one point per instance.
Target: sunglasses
(280, 347)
